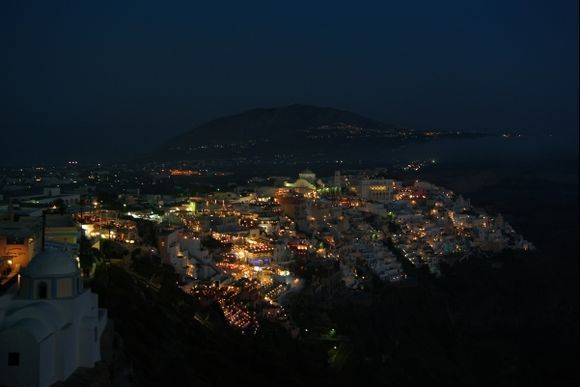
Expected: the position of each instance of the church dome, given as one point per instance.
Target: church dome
(51, 264)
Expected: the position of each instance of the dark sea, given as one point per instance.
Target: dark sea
(531, 180)
(543, 169)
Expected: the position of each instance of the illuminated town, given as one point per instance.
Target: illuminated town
(289, 194)
(245, 248)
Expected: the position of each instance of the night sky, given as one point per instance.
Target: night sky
(89, 79)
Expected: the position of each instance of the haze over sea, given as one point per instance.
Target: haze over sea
(492, 148)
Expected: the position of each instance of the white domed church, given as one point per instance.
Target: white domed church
(49, 324)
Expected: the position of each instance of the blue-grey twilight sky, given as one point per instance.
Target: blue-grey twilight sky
(91, 78)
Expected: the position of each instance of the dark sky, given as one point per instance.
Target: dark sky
(88, 78)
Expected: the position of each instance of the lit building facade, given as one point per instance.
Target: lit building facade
(378, 190)
(18, 243)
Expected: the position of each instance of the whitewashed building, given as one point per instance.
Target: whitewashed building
(49, 324)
